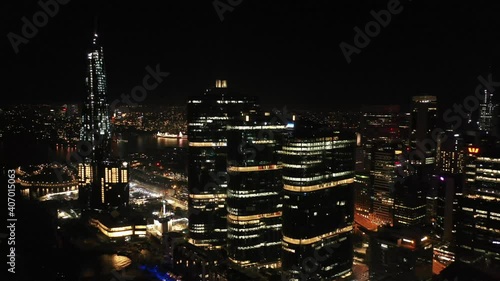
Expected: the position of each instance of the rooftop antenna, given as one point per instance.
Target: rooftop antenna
(94, 41)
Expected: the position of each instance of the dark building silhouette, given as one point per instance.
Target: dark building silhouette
(400, 254)
(410, 202)
(422, 125)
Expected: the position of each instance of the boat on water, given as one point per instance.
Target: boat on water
(180, 135)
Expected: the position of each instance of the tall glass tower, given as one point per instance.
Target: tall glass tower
(96, 126)
(103, 182)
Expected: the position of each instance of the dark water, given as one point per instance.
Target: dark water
(36, 229)
(22, 151)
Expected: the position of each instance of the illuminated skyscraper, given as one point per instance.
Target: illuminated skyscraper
(478, 234)
(379, 128)
(423, 122)
(447, 185)
(488, 109)
(208, 116)
(318, 207)
(96, 126)
(103, 181)
(254, 196)
(383, 176)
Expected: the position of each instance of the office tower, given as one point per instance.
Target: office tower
(400, 254)
(478, 234)
(103, 181)
(196, 263)
(448, 183)
(254, 192)
(208, 116)
(378, 126)
(450, 153)
(363, 193)
(448, 191)
(423, 122)
(380, 123)
(404, 127)
(96, 126)
(383, 176)
(488, 109)
(410, 202)
(318, 207)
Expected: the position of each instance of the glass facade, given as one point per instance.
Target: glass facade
(318, 207)
(254, 202)
(103, 182)
(208, 116)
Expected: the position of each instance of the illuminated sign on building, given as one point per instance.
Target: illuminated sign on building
(473, 150)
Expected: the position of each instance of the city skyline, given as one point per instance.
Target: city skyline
(228, 141)
(280, 51)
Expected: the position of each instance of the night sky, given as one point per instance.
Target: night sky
(285, 52)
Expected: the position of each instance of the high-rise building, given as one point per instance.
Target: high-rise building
(363, 193)
(96, 126)
(254, 193)
(447, 185)
(103, 181)
(208, 116)
(488, 111)
(400, 254)
(423, 122)
(448, 191)
(410, 205)
(383, 174)
(478, 234)
(318, 207)
(380, 123)
(379, 132)
(450, 153)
